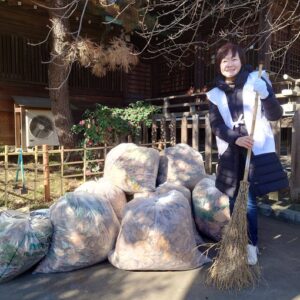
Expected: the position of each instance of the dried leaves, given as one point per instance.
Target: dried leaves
(99, 58)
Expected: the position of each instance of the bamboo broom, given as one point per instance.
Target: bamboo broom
(230, 269)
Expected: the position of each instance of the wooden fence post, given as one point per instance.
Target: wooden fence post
(195, 132)
(184, 136)
(295, 156)
(163, 131)
(35, 170)
(5, 174)
(46, 173)
(275, 125)
(145, 133)
(154, 132)
(172, 128)
(208, 146)
(84, 162)
(62, 158)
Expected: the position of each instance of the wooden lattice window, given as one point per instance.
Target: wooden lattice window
(20, 61)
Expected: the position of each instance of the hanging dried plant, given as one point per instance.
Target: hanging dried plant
(99, 55)
(117, 55)
(99, 70)
(71, 53)
(120, 55)
(85, 49)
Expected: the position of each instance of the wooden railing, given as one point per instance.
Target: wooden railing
(168, 128)
(192, 127)
(184, 119)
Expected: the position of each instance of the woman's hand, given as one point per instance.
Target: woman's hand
(260, 87)
(245, 141)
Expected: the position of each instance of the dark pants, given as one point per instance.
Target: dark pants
(251, 216)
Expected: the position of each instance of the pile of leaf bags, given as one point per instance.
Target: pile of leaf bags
(24, 241)
(211, 208)
(182, 165)
(156, 234)
(85, 230)
(133, 169)
(103, 188)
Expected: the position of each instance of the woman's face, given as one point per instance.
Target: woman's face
(230, 66)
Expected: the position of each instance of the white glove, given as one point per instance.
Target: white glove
(260, 87)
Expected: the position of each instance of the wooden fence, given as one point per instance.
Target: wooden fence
(38, 162)
(170, 127)
(42, 166)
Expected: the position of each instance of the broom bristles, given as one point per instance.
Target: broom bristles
(230, 269)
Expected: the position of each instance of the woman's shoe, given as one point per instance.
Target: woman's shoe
(252, 254)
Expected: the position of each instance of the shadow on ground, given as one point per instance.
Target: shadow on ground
(279, 260)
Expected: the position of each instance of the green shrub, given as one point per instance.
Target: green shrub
(104, 124)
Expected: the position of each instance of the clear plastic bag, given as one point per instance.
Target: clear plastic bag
(156, 234)
(24, 241)
(182, 165)
(105, 189)
(85, 230)
(132, 168)
(211, 208)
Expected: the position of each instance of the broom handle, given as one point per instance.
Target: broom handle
(247, 165)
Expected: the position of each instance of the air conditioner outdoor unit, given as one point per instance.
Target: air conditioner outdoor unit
(40, 128)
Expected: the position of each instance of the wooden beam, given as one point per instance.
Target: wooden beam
(184, 135)
(295, 156)
(195, 132)
(208, 146)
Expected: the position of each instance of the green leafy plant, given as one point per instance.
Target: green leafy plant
(105, 125)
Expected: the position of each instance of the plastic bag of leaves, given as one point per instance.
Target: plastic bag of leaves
(182, 165)
(85, 229)
(211, 208)
(105, 189)
(24, 241)
(132, 168)
(156, 234)
(164, 188)
(167, 187)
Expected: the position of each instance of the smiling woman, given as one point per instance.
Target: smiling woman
(231, 113)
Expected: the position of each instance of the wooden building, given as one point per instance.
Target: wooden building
(23, 76)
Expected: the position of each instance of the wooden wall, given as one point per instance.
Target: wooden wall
(171, 82)
(22, 72)
(138, 82)
(7, 131)
(21, 62)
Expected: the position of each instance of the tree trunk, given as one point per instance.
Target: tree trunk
(58, 77)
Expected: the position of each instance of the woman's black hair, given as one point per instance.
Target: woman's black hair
(225, 49)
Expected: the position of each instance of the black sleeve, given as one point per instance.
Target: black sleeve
(270, 105)
(219, 127)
